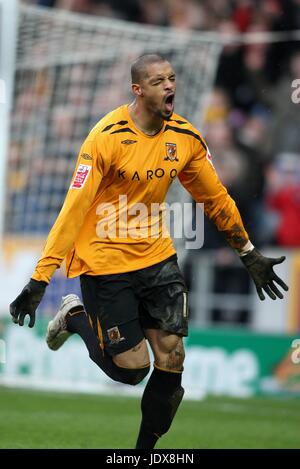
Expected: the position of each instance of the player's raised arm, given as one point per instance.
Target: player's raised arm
(86, 179)
(201, 180)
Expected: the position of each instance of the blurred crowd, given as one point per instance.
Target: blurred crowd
(251, 122)
(246, 15)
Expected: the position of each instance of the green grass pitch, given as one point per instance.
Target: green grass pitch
(32, 419)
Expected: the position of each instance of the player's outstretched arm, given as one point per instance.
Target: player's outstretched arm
(261, 271)
(27, 302)
(201, 180)
(61, 237)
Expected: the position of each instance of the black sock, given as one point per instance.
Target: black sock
(160, 401)
(78, 322)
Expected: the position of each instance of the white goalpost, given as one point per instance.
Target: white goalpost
(8, 36)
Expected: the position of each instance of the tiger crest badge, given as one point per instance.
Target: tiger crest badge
(171, 152)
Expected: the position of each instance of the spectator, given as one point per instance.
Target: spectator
(283, 198)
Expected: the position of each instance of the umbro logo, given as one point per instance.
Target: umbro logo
(85, 156)
(128, 142)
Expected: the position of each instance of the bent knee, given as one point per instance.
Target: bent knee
(133, 365)
(131, 376)
(136, 357)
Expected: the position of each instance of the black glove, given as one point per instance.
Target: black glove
(261, 270)
(27, 302)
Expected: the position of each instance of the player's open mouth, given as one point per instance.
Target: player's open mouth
(169, 102)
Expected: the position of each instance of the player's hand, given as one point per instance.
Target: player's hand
(27, 302)
(261, 270)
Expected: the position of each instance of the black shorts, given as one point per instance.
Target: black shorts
(121, 306)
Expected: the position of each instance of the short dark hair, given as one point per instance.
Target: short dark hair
(138, 68)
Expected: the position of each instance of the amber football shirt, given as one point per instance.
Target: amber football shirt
(112, 220)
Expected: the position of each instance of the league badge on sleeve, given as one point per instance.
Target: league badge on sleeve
(81, 176)
(209, 157)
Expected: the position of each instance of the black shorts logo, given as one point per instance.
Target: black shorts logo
(114, 335)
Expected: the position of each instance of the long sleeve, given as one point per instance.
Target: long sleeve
(86, 179)
(202, 182)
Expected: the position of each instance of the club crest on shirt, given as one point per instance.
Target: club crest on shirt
(171, 152)
(114, 335)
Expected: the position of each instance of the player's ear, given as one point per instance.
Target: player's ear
(136, 89)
